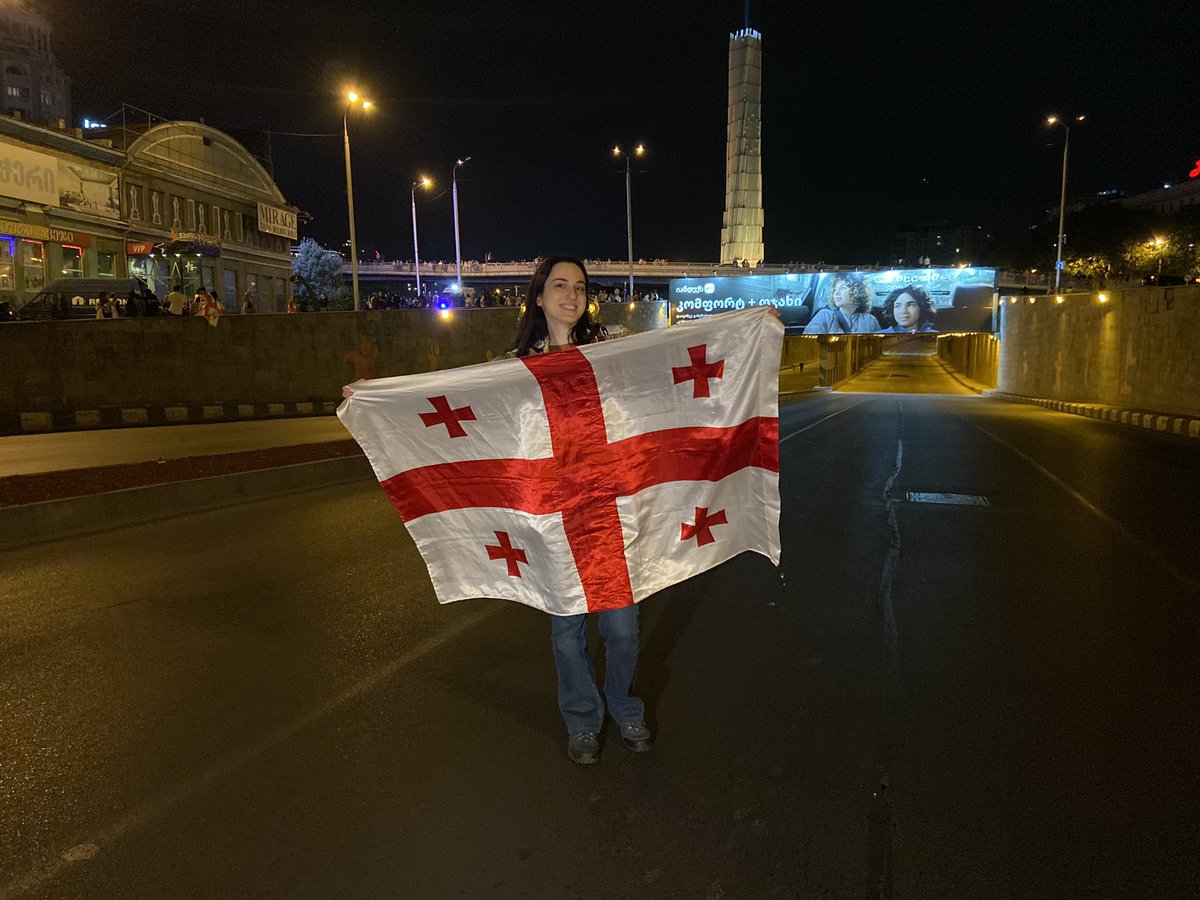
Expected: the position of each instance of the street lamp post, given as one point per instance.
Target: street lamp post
(424, 182)
(637, 151)
(353, 101)
(457, 245)
(1062, 203)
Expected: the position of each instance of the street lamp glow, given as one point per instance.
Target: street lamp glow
(352, 102)
(637, 151)
(425, 182)
(457, 244)
(1062, 202)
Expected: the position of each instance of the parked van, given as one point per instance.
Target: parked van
(76, 298)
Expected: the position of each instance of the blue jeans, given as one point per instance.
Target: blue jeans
(578, 698)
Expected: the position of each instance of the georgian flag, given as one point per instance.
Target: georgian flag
(587, 478)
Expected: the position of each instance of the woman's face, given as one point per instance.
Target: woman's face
(907, 311)
(843, 297)
(564, 298)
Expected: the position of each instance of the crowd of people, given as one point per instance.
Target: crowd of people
(144, 302)
(471, 299)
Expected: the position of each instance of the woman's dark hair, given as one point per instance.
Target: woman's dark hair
(857, 286)
(918, 294)
(532, 327)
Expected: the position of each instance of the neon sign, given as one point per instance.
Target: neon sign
(1195, 173)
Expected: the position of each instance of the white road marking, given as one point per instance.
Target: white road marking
(784, 440)
(1117, 526)
(948, 499)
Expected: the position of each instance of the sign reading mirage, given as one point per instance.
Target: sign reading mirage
(274, 220)
(895, 300)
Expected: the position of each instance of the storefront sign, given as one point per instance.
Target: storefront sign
(194, 242)
(44, 233)
(274, 220)
(195, 237)
(138, 248)
(28, 175)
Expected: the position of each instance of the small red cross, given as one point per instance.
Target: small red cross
(699, 371)
(444, 415)
(702, 530)
(506, 551)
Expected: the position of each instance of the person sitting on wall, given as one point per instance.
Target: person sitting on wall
(150, 303)
(908, 310)
(177, 301)
(848, 310)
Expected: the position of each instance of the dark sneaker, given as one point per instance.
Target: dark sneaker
(583, 748)
(635, 736)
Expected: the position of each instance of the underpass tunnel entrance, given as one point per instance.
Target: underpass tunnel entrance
(902, 364)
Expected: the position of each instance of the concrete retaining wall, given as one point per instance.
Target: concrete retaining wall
(264, 364)
(1136, 349)
(975, 356)
(846, 355)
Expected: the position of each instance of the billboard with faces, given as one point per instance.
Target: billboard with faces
(889, 301)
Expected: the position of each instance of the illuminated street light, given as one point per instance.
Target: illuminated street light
(425, 183)
(353, 101)
(637, 151)
(457, 245)
(1062, 203)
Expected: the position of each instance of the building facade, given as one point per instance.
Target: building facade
(33, 86)
(200, 210)
(172, 203)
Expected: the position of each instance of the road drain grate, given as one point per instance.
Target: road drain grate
(948, 499)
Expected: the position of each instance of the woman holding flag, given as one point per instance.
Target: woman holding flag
(556, 317)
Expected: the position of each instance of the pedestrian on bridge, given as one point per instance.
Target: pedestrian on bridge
(556, 317)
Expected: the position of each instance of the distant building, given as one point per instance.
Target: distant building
(1170, 198)
(34, 87)
(175, 202)
(742, 225)
(941, 243)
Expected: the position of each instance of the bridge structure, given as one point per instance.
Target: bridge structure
(657, 273)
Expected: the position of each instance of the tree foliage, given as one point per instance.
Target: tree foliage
(322, 269)
(1106, 240)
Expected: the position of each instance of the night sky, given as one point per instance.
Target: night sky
(874, 115)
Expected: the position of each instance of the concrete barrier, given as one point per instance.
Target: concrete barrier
(1131, 349)
(844, 355)
(58, 375)
(974, 356)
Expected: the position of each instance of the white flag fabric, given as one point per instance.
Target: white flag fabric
(587, 478)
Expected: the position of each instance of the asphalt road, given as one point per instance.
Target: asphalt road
(942, 701)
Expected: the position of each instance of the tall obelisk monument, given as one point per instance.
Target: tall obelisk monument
(742, 225)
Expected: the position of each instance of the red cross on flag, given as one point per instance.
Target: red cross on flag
(588, 478)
